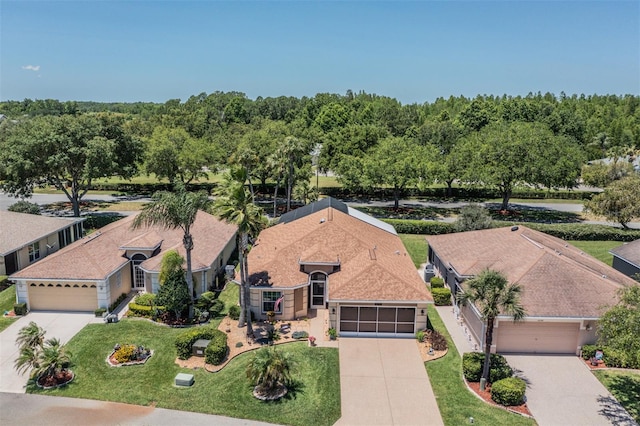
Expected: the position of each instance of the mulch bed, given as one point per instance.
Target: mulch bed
(600, 365)
(424, 352)
(59, 379)
(486, 396)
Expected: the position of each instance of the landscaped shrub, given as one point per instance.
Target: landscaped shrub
(99, 312)
(20, 309)
(437, 341)
(117, 302)
(612, 357)
(509, 391)
(422, 227)
(472, 363)
(125, 353)
(589, 351)
(206, 300)
(420, 336)
(186, 339)
(216, 308)
(146, 299)
(98, 221)
(299, 335)
(234, 312)
(441, 296)
(216, 350)
(436, 282)
(140, 310)
(580, 231)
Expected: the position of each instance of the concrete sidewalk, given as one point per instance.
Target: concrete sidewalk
(25, 409)
(462, 338)
(384, 382)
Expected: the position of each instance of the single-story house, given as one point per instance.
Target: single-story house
(626, 258)
(94, 271)
(565, 290)
(27, 238)
(327, 255)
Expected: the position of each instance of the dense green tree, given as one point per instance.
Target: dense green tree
(619, 327)
(473, 217)
(174, 293)
(620, 201)
(492, 295)
(171, 262)
(68, 152)
(173, 210)
(234, 205)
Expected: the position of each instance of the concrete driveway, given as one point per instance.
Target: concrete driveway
(384, 382)
(561, 390)
(57, 324)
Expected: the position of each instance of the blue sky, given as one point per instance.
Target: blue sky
(414, 51)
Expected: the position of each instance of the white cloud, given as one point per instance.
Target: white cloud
(31, 67)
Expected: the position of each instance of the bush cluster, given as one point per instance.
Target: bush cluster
(98, 221)
(209, 302)
(146, 299)
(422, 227)
(140, 310)
(186, 339)
(508, 391)
(436, 282)
(441, 296)
(99, 312)
(234, 312)
(216, 350)
(473, 362)
(20, 309)
(612, 357)
(580, 231)
(125, 353)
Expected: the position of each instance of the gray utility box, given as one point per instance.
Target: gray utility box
(199, 346)
(184, 379)
(428, 272)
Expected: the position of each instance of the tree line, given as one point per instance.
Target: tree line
(367, 140)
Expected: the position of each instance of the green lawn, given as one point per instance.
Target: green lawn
(228, 393)
(230, 295)
(416, 246)
(455, 401)
(598, 249)
(625, 386)
(7, 299)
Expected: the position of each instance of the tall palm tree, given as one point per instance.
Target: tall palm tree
(234, 205)
(173, 210)
(492, 294)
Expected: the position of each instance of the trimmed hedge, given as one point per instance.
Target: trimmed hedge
(579, 231)
(436, 282)
(99, 312)
(144, 311)
(441, 296)
(216, 308)
(186, 339)
(612, 357)
(99, 220)
(146, 299)
(148, 188)
(422, 227)
(509, 391)
(473, 362)
(20, 309)
(216, 350)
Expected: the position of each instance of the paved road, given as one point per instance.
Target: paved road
(25, 409)
(384, 382)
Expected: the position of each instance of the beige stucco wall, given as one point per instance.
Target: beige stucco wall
(288, 312)
(125, 285)
(23, 253)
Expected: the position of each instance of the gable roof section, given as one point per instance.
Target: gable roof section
(18, 230)
(312, 208)
(374, 265)
(629, 252)
(558, 279)
(97, 256)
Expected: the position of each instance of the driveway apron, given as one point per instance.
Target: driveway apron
(57, 324)
(561, 390)
(384, 382)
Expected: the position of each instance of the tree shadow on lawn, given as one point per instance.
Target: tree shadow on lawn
(614, 412)
(627, 391)
(293, 389)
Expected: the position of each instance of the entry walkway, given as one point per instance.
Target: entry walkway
(384, 382)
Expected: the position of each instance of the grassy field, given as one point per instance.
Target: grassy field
(228, 393)
(598, 249)
(416, 246)
(455, 401)
(7, 299)
(625, 386)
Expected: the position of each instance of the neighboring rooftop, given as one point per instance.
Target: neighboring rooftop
(96, 256)
(558, 279)
(374, 264)
(18, 230)
(629, 252)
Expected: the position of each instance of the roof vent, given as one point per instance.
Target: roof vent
(397, 252)
(323, 220)
(514, 228)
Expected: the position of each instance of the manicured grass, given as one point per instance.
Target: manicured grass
(455, 401)
(7, 299)
(625, 386)
(229, 296)
(314, 399)
(416, 246)
(598, 249)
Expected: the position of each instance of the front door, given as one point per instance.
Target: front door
(318, 290)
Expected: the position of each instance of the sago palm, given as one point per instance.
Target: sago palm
(52, 359)
(173, 210)
(270, 368)
(493, 295)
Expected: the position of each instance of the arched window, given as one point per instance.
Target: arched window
(318, 289)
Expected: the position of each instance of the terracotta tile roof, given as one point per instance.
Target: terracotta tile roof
(374, 264)
(558, 279)
(95, 257)
(21, 229)
(629, 252)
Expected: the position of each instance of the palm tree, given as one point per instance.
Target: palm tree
(30, 336)
(172, 210)
(234, 205)
(52, 359)
(270, 369)
(492, 294)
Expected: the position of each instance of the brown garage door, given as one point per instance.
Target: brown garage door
(63, 297)
(542, 337)
(380, 321)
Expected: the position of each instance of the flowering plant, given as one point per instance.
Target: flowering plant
(312, 340)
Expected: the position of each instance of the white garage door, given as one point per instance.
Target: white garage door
(63, 297)
(378, 321)
(542, 337)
